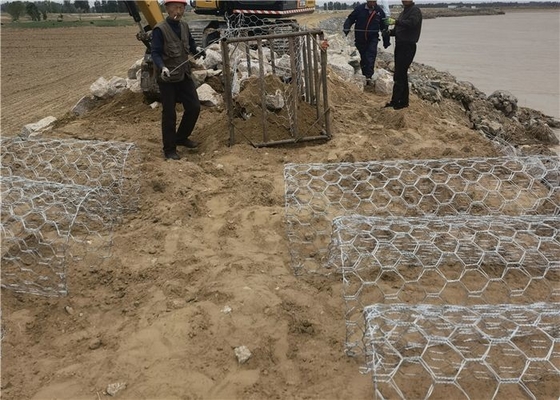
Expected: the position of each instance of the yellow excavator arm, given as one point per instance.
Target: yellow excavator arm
(151, 11)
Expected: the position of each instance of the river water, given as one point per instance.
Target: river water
(518, 52)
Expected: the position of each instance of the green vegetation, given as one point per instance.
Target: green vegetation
(67, 23)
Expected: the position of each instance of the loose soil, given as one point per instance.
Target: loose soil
(209, 234)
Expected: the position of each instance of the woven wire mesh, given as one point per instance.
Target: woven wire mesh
(457, 352)
(112, 166)
(60, 201)
(460, 260)
(274, 83)
(317, 193)
(44, 225)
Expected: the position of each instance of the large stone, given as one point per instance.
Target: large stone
(383, 82)
(208, 96)
(504, 101)
(275, 102)
(85, 104)
(213, 59)
(134, 68)
(37, 128)
(199, 76)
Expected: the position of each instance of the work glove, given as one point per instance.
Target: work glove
(389, 21)
(200, 52)
(165, 74)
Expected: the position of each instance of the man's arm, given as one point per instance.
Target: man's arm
(351, 20)
(157, 48)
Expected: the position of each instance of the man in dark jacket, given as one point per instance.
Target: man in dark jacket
(407, 32)
(368, 19)
(171, 45)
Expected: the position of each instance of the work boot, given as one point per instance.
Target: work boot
(400, 106)
(189, 144)
(369, 82)
(172, 155)
(389, 104)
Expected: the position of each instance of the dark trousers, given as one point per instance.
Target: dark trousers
(183, 92)
(404, 54)
(368, 54)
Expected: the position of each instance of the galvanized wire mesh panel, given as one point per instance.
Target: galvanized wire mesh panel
(461, 260)
(275, 84)
(44, 226)
(317, 193)
(476, 352)
(109, 165)
(60, 200)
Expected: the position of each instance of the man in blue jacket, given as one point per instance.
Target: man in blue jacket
(368, 19)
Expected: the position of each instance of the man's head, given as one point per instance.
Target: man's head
(371, 4)
(407, 2)
(175, 8)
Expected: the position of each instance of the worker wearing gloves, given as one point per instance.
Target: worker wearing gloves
(368, 21)
(406, 30)
(171, 45)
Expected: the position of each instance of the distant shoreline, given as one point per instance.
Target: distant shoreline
(430, 12)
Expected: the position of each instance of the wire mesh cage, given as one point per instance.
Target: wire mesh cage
(60, 202)
(44, 226)
(275, 84)
(459, 260)
(317, 193)
(104, 164)
(464, 352)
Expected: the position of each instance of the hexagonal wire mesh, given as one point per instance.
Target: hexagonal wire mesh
(317, 193)
(44, 225)
(110, 165)
(60, 201)
(460, 260)
(457, 352)
(275, 82)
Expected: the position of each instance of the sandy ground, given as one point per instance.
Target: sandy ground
(209, 233)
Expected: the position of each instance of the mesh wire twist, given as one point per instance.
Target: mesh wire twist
(317, 193)
(60, 201)
(457, 352)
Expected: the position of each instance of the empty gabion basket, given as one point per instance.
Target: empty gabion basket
(317, 193)
(462, 260)
(478, 352)
(47, 225)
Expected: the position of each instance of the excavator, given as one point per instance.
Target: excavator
(262, 13)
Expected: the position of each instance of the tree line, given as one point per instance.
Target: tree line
(39, 10)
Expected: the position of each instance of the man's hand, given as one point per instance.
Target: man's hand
(389, 21)
(200, 52)
(386, 38)
(165, 74)
(346, 32)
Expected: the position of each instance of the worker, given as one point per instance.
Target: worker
(368, 20)
(171, 45)
(406, 30)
